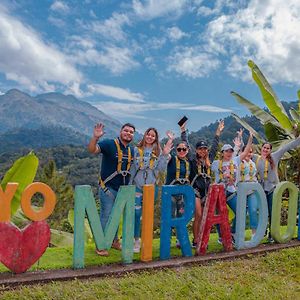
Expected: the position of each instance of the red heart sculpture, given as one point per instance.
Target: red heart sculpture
(20, 249)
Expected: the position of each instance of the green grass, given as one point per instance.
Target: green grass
(59, 258)
(274, 276)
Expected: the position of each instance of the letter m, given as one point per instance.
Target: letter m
(85, 205)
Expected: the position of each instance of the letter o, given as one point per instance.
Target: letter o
(49, 201)
(292, 213)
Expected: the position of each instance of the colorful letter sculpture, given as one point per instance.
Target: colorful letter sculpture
(147, 222)
(242, 191)
(20, 249)
(276, 212)
(216, 201)
(167, 222)
(85, 205)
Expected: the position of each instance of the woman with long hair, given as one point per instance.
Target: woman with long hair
(148, 161)
(200, 177)
(267, 170)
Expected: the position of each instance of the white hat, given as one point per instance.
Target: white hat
(226, 147)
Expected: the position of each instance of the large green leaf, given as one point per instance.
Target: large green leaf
(259, 113)
(23, 172)
(275, 106)
(276, 135)
(294, 114)
(248, 127)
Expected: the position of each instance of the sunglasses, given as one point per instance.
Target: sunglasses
(181, 149)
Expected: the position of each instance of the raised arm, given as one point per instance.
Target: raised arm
(184, 137)
(97, 134)
(289, 146)
(215, 144)
(248, 147)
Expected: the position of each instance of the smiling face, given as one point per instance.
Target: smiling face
(182, 150)
(227, 154)
(150, 137)
(266, 149)
(249, 155)
(202, 152)
(126, 134)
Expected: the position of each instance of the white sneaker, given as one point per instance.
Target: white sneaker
(137, 246)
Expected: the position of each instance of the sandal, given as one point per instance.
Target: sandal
(102, 252)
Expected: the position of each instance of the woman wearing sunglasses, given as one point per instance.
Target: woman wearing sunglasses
(201, 160)
(148, 160)
(226, 171)
(178, 173)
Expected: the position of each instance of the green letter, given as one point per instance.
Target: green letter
(85, 204)
(276, 211)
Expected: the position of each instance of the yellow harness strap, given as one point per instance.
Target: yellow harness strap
(265, 169)
(187, 168)
(231, 167)
(120, 157)
(251, 173)
(141, 159)
(119, 166)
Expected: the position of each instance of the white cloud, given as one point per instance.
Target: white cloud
(192, 62)
(219, 6)
(1, 93)
(155, 42)
(60, 6)
(265, 31)
(58, 22)
(157, 8)
(174, 33)
(28, 60)
(208, 108)
(112, 28)
(115, 92)
(115, 59)
(119, 109)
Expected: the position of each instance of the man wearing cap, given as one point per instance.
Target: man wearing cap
(200, 173)
(226, 171)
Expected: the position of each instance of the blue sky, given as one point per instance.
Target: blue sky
(151, 61)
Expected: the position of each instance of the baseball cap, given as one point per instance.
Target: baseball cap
(226, 147)
(201, 144)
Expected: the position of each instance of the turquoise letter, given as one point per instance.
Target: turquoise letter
(243, 189)
(85, 204)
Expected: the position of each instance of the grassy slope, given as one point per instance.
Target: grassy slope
(274, 276)
(57, 258)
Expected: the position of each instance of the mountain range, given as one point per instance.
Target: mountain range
(54, 117)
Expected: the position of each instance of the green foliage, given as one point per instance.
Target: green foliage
(23, 172)
(277, 124)
(274, 105)
(62, 190)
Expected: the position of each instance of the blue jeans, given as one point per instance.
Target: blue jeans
(252, 210)
(138, 211)
(106, 205)
(270, 201)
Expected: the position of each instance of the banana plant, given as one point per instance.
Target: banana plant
(23, 172)
(279, 128)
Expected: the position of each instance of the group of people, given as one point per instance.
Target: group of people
(122, 164)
